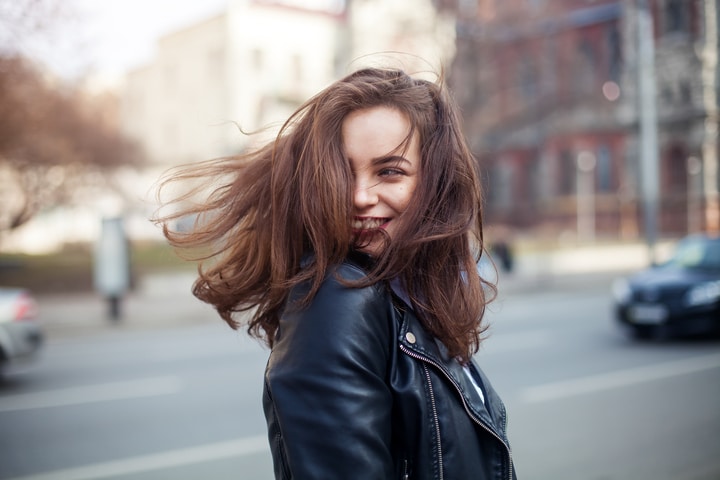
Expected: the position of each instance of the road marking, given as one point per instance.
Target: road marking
(102, 392)
(511, 342)
(622, 378)
(159, 461)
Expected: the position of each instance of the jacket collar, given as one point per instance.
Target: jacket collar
(414, 338)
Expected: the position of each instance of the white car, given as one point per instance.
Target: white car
(21, 335)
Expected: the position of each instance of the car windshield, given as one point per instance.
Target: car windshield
(697, 253)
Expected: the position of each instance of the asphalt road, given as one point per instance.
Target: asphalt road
(180, 397)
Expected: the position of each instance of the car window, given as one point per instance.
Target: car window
(697, 253)
(712, 255)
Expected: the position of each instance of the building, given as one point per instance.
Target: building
(418, 38)
(240, 72)
(549, 90)
(248, 68)
(221, 83)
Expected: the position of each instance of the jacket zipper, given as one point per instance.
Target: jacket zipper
(437, 421)
(467, 410)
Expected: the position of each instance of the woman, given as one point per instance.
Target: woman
(353, 238)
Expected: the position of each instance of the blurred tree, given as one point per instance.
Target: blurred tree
(54, 140)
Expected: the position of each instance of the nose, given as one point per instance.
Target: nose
(364, 196)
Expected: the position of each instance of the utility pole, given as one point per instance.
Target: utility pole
(648, 127)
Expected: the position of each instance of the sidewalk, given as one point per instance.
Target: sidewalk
(576, 268)
(165, 300)
(160, 301)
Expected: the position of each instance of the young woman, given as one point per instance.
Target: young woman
(353, 239)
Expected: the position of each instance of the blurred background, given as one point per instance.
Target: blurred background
(592, 126)
(595, 124)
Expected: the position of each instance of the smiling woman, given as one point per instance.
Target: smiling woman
(385, 173)
(354, 237)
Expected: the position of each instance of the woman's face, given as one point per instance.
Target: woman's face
(385, 177)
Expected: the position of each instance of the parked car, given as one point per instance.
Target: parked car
(21, 335)
(678, 297)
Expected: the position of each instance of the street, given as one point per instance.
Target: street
(183, 400)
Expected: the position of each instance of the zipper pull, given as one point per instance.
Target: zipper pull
(406, 476)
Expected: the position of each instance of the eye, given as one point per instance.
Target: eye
(390, 172)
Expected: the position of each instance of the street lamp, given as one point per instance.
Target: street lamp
(694, 187)
(648, 126)
(585, 196)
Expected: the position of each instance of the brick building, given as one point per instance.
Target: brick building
(550, 98)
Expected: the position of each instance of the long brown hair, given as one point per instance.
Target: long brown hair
(293, 196)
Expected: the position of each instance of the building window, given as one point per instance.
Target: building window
(614, 52)
(501, 179)
(545, 181)
(568, 173)
(549, 68)
(685, 92)
(528, 79)
(604, 169)
(538, 178)
(666, 94)
(676, 16)
(676, 168)
(585, 68)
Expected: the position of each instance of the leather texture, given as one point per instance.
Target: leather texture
(355, 388)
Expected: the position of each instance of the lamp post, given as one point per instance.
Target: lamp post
(585, 195)
(648, 127)
(694, 186)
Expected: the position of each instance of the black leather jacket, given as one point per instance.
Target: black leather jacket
(356, 389)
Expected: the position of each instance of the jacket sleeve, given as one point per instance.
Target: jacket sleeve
(326, 397)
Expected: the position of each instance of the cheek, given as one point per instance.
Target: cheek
(403, 196)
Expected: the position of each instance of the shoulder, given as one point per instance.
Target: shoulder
(339, 307)
(338, 288)
(342, 324)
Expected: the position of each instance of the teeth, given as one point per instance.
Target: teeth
(367, 223)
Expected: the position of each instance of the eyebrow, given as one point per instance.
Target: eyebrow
(389, 159)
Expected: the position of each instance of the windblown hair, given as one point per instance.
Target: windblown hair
(293, 197)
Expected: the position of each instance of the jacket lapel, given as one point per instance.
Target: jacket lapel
(416, 339)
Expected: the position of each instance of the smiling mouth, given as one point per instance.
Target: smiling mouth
(363, 224)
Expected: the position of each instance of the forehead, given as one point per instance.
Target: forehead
(375, 131)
